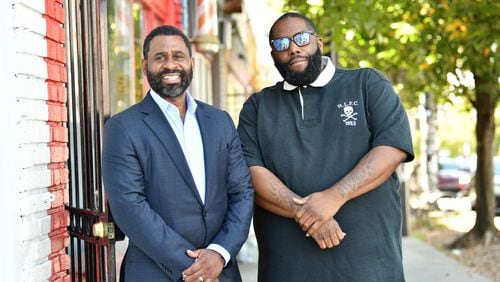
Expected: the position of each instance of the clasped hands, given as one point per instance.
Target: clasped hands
(207, 266)
(315, 217)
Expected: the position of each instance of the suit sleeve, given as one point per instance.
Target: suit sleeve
(125, 186)
(240, 191)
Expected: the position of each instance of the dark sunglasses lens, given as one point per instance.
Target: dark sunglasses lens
(281, 44)
(301, 39)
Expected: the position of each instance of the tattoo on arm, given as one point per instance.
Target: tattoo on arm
(282, 194)
(362, 174)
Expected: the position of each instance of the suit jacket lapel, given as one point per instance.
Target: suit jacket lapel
(158, 123)
(210, 148)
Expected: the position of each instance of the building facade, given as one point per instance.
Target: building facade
(67, 65)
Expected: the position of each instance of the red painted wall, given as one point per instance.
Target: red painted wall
(57, 97)
(161, 12)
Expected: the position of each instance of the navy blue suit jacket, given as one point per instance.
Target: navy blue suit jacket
(153, 197)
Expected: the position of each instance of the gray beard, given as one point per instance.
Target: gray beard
(168, 91)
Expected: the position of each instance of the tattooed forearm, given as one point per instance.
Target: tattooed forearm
(357, 178)
(272, 194)
(282, 194)
(373, 169)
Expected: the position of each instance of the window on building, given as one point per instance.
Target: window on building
(122, 57)
(201, 86)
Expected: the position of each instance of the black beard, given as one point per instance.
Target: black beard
(305, 77)
(165, 90)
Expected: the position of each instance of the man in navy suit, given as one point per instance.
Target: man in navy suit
(174, 173)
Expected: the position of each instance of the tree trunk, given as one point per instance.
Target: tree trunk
(484, 227)
(485, 136)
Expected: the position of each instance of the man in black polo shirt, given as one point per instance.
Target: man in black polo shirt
(322, 147)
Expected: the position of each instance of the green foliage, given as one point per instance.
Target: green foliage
(416, 43)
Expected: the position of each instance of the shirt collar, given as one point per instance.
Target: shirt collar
(324, 77)
(165, 105)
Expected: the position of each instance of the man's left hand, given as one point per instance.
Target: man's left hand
(207, 266)
(316, 209)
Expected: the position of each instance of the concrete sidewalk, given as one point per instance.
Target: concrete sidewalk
(422, 262)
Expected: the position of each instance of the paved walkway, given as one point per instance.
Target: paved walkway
(422, 262)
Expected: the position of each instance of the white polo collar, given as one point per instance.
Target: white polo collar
(324, 77)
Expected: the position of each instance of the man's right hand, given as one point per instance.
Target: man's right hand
(328, 235)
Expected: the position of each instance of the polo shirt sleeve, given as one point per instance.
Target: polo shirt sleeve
(388, 120)
(247, 130)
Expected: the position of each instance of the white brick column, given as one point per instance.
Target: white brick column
(9, 201)
(32, 133)
(33, 143)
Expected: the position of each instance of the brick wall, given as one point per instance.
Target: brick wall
(42, 137)
(56, 101)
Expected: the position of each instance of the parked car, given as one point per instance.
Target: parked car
(453, 178)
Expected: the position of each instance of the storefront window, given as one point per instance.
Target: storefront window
(122, 69)
(138, 23)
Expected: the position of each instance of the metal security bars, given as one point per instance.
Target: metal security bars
(91, 246)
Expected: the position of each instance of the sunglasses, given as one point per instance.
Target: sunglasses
(300, 39)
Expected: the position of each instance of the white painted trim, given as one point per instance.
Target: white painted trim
(10, 261)
(29, 18)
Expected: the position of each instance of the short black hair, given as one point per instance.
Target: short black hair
(168, 30)
(287, 15)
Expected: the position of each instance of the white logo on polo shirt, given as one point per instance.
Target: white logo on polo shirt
(349, 115)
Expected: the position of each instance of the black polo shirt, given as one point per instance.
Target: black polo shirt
(310, 143)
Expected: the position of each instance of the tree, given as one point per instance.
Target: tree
(445, 48)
